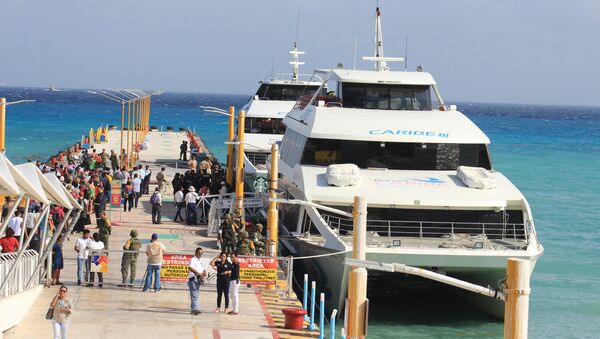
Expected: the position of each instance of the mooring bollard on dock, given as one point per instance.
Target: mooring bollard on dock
(313, 291)
(305, 296)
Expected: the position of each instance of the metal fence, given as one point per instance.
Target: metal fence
(448, 234)
(26, 267)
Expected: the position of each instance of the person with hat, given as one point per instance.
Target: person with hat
(129, 259)
(227, 234)
(191, 199)
(259, 241)
(223, 189)
(154, 251)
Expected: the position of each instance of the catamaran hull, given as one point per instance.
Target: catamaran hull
(331, 275)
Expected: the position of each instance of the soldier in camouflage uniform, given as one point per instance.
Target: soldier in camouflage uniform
(129, 260)
(245, 245)
(259, 241)
(227, 234)
(237, 219)
(105, 228)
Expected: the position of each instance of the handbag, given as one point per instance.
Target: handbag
(50, 313)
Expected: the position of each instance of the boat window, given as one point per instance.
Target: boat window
(387, 97)
(284, 92)
(395, 155)
(264, 125)
(292, 146)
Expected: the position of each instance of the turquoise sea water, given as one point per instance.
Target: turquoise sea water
(551, 153)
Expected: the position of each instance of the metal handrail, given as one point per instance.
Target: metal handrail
(17, 282)
(514, 234)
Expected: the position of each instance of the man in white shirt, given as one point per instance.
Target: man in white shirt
(195, 277)
(137, 188)
(32, 217)
(179, 203)
(15, 223)
(156, 202)
(81, 249)
(191, 199)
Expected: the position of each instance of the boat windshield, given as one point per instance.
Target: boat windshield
(284, 92)
(386, 97)
(395, 155)
(264, 126)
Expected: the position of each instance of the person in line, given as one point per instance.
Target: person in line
(193, 163)
(146, 182)
(129, 259)
(95, 246)
(161, 179)
(114, 160)
(234, 284)
(31, 218)
(57, 260)
(183, 148)
(9, 243)
(154, 251)
(191, 199)
(128, 196)
(62, 310)
(80, 248)
(196, 276)
(179, 203)
(105, 229)
(137, 189)
(223, 268)
(15, 223)
(156, 202)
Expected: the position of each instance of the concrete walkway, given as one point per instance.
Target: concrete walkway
(117, 312)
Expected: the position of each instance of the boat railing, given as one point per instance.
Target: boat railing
(257, 158)
(438, 234)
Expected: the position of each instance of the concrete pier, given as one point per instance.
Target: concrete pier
(127, 312)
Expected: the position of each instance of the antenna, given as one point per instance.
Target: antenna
(405, 52)
(272, 67)
(295, 53)
(297, 26)
(379, 59)
(355, 43)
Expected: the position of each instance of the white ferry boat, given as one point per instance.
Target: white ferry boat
(434, 198)
(265, 111)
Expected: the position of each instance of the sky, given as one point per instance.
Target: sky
(533, 52)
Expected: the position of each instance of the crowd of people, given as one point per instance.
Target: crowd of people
(88, 177)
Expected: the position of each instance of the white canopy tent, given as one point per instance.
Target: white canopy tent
(28, 182)
(8, 186)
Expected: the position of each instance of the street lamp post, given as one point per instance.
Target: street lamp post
(3, 105)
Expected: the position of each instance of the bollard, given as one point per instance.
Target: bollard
(305, 296)
(313, 291)
(332, 324)
(322, 316)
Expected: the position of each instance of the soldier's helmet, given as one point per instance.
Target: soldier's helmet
(133, 233)
(259, 227)
(243, 235)
(237, 212)
(227, 216)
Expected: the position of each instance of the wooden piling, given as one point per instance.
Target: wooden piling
(357, 282)
(516, 309)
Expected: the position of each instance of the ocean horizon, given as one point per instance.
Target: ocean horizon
(551, 153)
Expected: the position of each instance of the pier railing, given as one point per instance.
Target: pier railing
(436, 234)
(25, 269)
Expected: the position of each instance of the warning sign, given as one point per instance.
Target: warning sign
(175, 267)
(257, 270)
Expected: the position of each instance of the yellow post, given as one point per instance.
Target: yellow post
(230, 138)
(357, 280)
(239, 170)
(2, 124)
(128, 134)
(516, 308)
(272, 216)
(122, 126)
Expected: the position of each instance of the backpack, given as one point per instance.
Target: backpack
(154, 199)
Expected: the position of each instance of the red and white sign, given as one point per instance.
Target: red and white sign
(175, 267)
(258, 270)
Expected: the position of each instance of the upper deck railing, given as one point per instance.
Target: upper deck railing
(435, 234)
